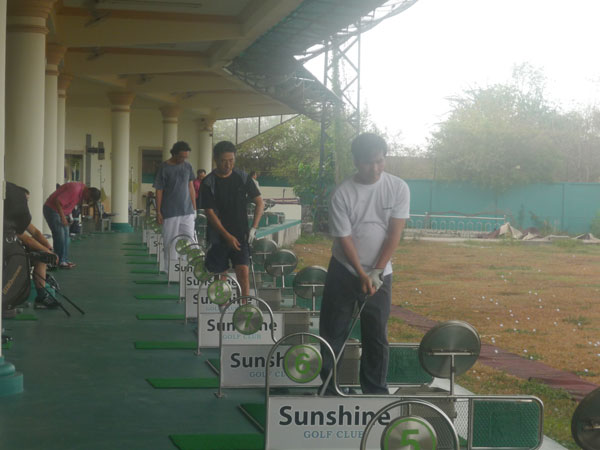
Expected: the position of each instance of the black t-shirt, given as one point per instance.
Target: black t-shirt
(231, 195)
(16, 211)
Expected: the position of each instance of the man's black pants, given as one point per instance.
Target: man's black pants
(342, 291)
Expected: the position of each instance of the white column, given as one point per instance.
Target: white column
(54, 54)
(64, 80)
(2, 70)
(170, 115)
(26, 57)
(121, 103)
(205, 132)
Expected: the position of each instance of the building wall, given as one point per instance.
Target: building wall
(145, 133)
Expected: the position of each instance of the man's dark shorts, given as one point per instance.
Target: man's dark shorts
(219, 255)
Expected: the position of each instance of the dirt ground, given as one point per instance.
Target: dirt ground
(537, 300)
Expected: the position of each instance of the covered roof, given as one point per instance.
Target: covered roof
(223, 59)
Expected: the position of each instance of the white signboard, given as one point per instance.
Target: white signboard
(208, 326)
(175, 267)
(162, 266)
(244, 366)
(152, 242)
(145, 236)
(295, 423)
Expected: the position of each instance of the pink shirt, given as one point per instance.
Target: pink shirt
(197, 184)
(68, 195)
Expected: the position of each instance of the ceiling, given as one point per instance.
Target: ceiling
(166, 52)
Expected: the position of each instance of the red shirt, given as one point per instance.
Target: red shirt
(69, 195)
(197, 184)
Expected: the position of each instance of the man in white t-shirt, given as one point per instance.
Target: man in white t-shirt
(366, 217)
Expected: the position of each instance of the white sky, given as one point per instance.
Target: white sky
(438, 48)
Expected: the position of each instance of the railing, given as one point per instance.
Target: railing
(454, 223)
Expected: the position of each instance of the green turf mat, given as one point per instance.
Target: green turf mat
(183, 383)
(256, 412)
(133, 243)
(356, 331)
(214, 364)
(141, 262)
(218, 441)
(137, 254)
(152, 282)
(151, 271)
(165, 345)
(23, 316)
(160, 316)
(157, 297)
(7, 346)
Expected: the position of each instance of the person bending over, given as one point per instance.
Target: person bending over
(175, 197)
(225, 194)
(17, 218)
(366, 218)
(56, 209)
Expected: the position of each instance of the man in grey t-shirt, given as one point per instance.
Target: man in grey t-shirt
(175, 197)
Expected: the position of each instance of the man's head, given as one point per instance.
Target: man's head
(180, 151)
(254, 174)
(224, 156)
(92, 195)
(200, 174)
(369, 152)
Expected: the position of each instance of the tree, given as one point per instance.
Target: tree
(500, 136)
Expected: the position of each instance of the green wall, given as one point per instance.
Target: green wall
(567, 207)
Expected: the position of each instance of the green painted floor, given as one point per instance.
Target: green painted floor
(85, 383)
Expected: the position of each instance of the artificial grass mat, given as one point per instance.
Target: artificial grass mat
(218, 441)
(157, 297)
(151, 271)
(214, 364)
(133, 243)
(160, 316)
(257, 413)
(23, 316)
(183, 383)
(7, 345)
(153, 281)
(165, 345)
(141, 262)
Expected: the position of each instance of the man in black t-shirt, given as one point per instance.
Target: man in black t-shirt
(225, 194)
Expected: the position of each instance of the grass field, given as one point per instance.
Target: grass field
(540, 301)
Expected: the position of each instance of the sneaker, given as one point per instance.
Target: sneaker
(45, 301)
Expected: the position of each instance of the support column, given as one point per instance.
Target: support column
(121, 103)
(54, 54)
(25, 82)
(170, 115)
(11, 382)
(205, 132)
(64, 80)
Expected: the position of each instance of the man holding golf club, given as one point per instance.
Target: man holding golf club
(366, 217)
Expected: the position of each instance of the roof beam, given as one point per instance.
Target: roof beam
(179, 82)
(257, 19)
(118, 61)
(74, 28)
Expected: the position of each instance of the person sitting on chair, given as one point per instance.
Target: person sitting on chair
(18, 218)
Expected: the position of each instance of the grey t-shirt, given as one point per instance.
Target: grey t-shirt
(174, 181)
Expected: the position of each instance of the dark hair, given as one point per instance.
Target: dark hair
(201, 171)
(223, 147)
(367, 145)
(252, 173)
(180, 146)
(94, 194)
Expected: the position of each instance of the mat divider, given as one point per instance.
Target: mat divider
(256, 413)
(165, 345)
(160, 316)
(184, 383)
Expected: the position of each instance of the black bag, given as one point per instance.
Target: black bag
(16, 273)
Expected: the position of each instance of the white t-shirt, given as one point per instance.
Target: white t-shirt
(363, 211)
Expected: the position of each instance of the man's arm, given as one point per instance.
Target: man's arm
(391, 242)
(60, 211)
(159, 197)
(192, 194)
(214, 221)
(258, 210)
(38, 236)
(352, 256)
